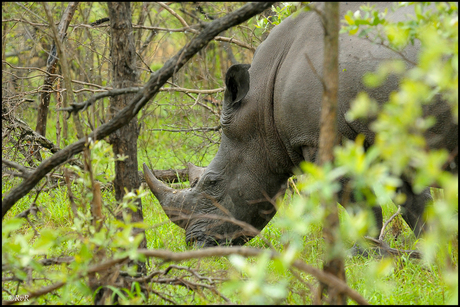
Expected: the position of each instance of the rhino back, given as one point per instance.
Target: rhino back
(287, 83)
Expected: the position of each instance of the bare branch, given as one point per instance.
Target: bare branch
(313, 69)
(194, 91)
(388, 222)
(216, 128)
(58, 260)
(75, 107)
(26, 130)
(55, 76)
(394, 251)
(234, 41)
(394, 50)
(166, 7)
(320, 13)
(25, 172)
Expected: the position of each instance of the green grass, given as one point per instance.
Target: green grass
(408, 282)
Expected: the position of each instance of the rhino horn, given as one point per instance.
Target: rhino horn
(194, 173)
(172, 201)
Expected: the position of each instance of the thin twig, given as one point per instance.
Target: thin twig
(292, 183)
(216, 128)
(320, 13)
(395, 51)
(313, 69)
(394, 251)
(181, 20)
(25, 172)
(163, 297)
(381, 236)
(75, 107)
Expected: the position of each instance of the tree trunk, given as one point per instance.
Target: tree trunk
(51, 68)
(124, 140)
(333, 261)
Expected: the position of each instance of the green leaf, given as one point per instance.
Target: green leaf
(239, 262)
(349, 20)
(354, 30)
(46, 241)
(11, 225)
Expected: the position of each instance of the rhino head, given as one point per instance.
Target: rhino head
(232, 199)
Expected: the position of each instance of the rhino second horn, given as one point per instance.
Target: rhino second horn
(194, 173)
(171, 200)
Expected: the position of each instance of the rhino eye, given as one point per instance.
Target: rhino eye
(212, 180)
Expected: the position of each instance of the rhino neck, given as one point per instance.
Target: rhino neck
(282, 159)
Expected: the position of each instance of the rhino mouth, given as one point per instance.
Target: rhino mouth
(196, 237)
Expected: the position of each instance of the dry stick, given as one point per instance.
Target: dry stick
(216, 128)
(14, 174)
(292, 183)
(388, 222)
(394, 50)
(58, 260)
(30, 11)
(313, 69)
(193, 30)
(26, 130)
(196, 100)
(36, 137)
(301, 280)
(393, 251)
(163, 297)
(194, 91)
(169, 176)
(24, 171)
(31, 68)
(181, 20)
(140, 100)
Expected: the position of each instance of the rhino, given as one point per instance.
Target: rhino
(270, 123)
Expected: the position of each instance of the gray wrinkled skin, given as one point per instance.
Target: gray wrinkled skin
(270, 121)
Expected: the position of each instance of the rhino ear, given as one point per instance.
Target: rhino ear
(237, 83)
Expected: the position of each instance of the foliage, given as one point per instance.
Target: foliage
(83, 239)
(265, 24)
